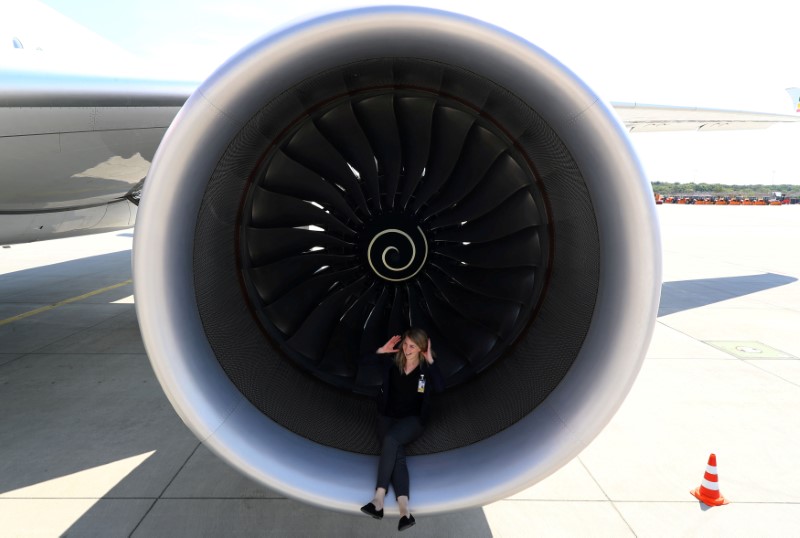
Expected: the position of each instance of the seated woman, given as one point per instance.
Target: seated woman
(409, 378)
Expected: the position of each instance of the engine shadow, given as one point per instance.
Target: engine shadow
(684, 295)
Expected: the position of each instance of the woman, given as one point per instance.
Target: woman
(409, 378)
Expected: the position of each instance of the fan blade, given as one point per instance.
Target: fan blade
(312, 150)
(377, 117)
(481, 150)
(398, 315)
(341, 355)
(272, 244)
(450, 352)
(375, 328)
(415, 118)
(498, 315)
(375, 334)
(518, 250)
(340, 126)
(289, 177)
(272, 281)
(289, 310)
(450, 129)
(313, 335)
(515, 214)
(473, 339)
(505, 178)
(514, 284)
(271, 210)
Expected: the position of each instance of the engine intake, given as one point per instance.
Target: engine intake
(379, 168)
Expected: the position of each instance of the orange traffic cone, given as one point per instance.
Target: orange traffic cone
(708, 492)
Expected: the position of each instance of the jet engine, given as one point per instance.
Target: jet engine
(367, 171)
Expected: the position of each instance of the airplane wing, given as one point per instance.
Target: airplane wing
(73, 148)
(642, 118)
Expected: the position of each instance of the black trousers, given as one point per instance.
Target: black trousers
(395, 433)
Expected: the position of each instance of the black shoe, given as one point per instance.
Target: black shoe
(370, 510)
(406, 522)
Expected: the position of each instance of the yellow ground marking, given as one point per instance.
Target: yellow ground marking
(62, 303)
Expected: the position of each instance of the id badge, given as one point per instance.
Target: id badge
(421, 384)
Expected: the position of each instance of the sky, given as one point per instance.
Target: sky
(693, 53)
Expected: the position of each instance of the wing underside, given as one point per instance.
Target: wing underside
(642, 118)
(75, 149)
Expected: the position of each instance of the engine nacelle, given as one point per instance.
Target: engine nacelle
(338, 181)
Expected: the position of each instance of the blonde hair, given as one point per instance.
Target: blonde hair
(419, 337)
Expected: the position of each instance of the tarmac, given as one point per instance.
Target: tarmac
(90, 446)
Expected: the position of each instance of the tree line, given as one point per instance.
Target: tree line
(720, 189)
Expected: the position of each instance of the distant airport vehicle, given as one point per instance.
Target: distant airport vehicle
(780, 199)
(330, 186)
(794, 94)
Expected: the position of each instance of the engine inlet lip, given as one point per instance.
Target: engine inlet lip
(531, 449)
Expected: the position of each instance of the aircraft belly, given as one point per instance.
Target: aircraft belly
(73, 169)
(30, 227)
(72, 148)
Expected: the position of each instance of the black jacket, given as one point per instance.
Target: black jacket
(433, 376)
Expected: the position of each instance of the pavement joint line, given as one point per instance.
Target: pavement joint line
(749, 362)
(163, 491)
(684, 333)
(609, 499)
(149, 509)
(753, 363)
(64, 302)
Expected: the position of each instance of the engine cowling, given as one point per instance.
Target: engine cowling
(365, 171)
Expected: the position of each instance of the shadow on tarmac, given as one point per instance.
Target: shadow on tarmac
(688, 294)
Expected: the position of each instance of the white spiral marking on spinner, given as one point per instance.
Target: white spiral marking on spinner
(386, 265)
